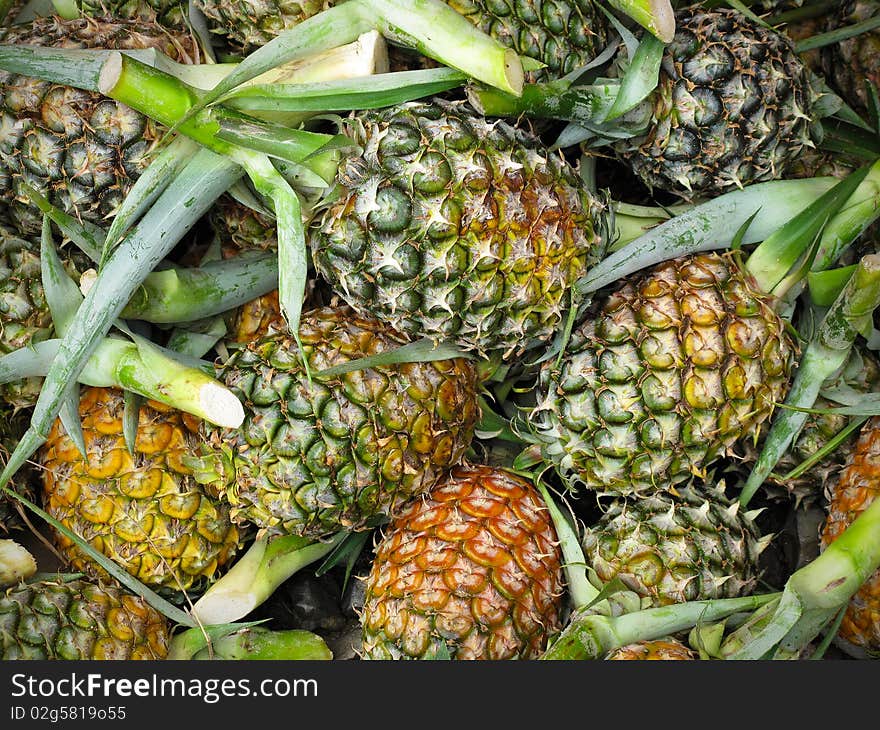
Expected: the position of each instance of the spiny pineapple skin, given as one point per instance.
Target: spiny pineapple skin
(249, 24)
(452, 227)
(563, 35)
(849, 63)
(658, 650)
(337, 453)
(82, 150)
(79, 620)
(857, 486)
(733, 107)
(861, 373)
(168, 13)
(25, 318)
(690, 545)
(146, 512)
(475, 564)
(676, 366)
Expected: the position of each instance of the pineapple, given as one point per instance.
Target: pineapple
(852, 63)
(249, 24)
(856, 487)
(658, 650)
(563, 35)
(452, 227)
(25, 318)
(687, 545)
(733, 107)
(79, 620)
(675, 367)
(861, 373)
(83, 151)
(472, 568)
(143, 510)
(168, 13)
(319, 454)
(240, 228)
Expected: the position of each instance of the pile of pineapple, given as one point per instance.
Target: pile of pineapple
(446, 440)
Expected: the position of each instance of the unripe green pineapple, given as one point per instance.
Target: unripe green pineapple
(682, 361)
(733, 107)
(143, 510)
(849, 64)
(688, 545)
(81, 150)
(563, 35)
(25, 318)
(449, 226)
(79, 620)
(168, 13)
(317, 455)
(861, 373)
(857, 486)
(473, 569)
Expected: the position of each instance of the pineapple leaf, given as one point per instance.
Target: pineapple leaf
(820, 40)
(130, 417)
(184, 201)
(640, 78)
(655, 16)
(773, 260)
(88, 237)
(369, 92)
(69, 417)
(825, 286)
(710, 226)
(423, 350)
(345, 553)
(149, 186)
(493, 425)
(62, 294)
(581, 591)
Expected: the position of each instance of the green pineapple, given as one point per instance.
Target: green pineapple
(687, 545)
(79, 620)
(319, 454)
(733, 107)
(168, 13)
(81, 150)
(563, 35)
(25, 318)
(678, 364)
(852, 63)
(449, 226)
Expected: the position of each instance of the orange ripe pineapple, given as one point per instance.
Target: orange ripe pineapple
(659, 650)
(855, 489)
(143, 510)
(472, 569)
